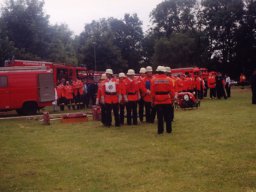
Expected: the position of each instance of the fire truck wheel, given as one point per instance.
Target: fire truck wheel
(29, 108)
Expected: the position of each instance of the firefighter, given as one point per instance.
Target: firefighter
(212, 85)
(78, 88)
(174, 88)
(242, 80)
(123, 99)
(68, 89)
(198, 83)
(98, 98)
(141, 101)
(110, 97)
(146, 95)
(60, 93)
(133, 96)
(161, 90)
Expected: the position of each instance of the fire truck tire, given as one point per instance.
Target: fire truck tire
(29, 108)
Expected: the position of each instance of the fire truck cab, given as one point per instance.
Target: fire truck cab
(26, 89)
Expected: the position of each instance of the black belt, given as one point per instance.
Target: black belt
(131, 93)
(162, 93)
(107, 93)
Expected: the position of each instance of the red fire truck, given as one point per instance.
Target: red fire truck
(26, 89)
(60, 71)
(191, 70)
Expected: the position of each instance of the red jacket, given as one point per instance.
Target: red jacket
(60, 90)
(162, 89)
(211, 81)
(110, 90)
(198, 83)
(132, 89)
(122, 87)
(68, 92)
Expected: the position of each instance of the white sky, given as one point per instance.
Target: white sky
(77, 13)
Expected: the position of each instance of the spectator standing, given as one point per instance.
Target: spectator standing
(220, 84)
(228, 85)
(253, 86)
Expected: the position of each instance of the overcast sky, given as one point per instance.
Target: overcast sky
(76, 13)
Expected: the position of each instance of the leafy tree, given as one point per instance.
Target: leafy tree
(245, 58)
(97, 37)
(177, 51)
(117, 43)
(7, 48)
(128, 36)
(173, 16)
(221, 20)
(26, 24)
(61, 46)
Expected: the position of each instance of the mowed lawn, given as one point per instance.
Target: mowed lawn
(211, 149)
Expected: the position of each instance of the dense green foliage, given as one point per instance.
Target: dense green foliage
(218, 34)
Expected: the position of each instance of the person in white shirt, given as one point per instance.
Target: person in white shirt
(228, 85)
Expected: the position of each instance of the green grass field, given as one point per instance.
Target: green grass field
(211, 149)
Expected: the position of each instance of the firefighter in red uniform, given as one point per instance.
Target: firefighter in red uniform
(242, 80)
(78, 88)
(110, 96)
(133, 95)
(212, 85)
(146, 95)
(68, 94)
(123, 99)
(60, 94)
(141, 101)
(161, 90)
(98, 98)
(199, 87)
(174, 91)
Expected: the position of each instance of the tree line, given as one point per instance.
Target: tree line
(217, 34)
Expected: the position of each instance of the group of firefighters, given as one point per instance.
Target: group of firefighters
(152, 94)
(75, 94)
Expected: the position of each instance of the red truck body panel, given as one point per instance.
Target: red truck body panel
(20, 86)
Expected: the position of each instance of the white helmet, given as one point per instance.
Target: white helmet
(131, 72)
(142, 70)
(149, 69)
(103, 76)
(109, 71)
(168, 69)
(121, 75)
(160, 69)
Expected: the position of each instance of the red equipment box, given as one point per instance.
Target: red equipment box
(74, 118)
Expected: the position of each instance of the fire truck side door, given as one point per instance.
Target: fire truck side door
(4, 93)
(46, 87)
